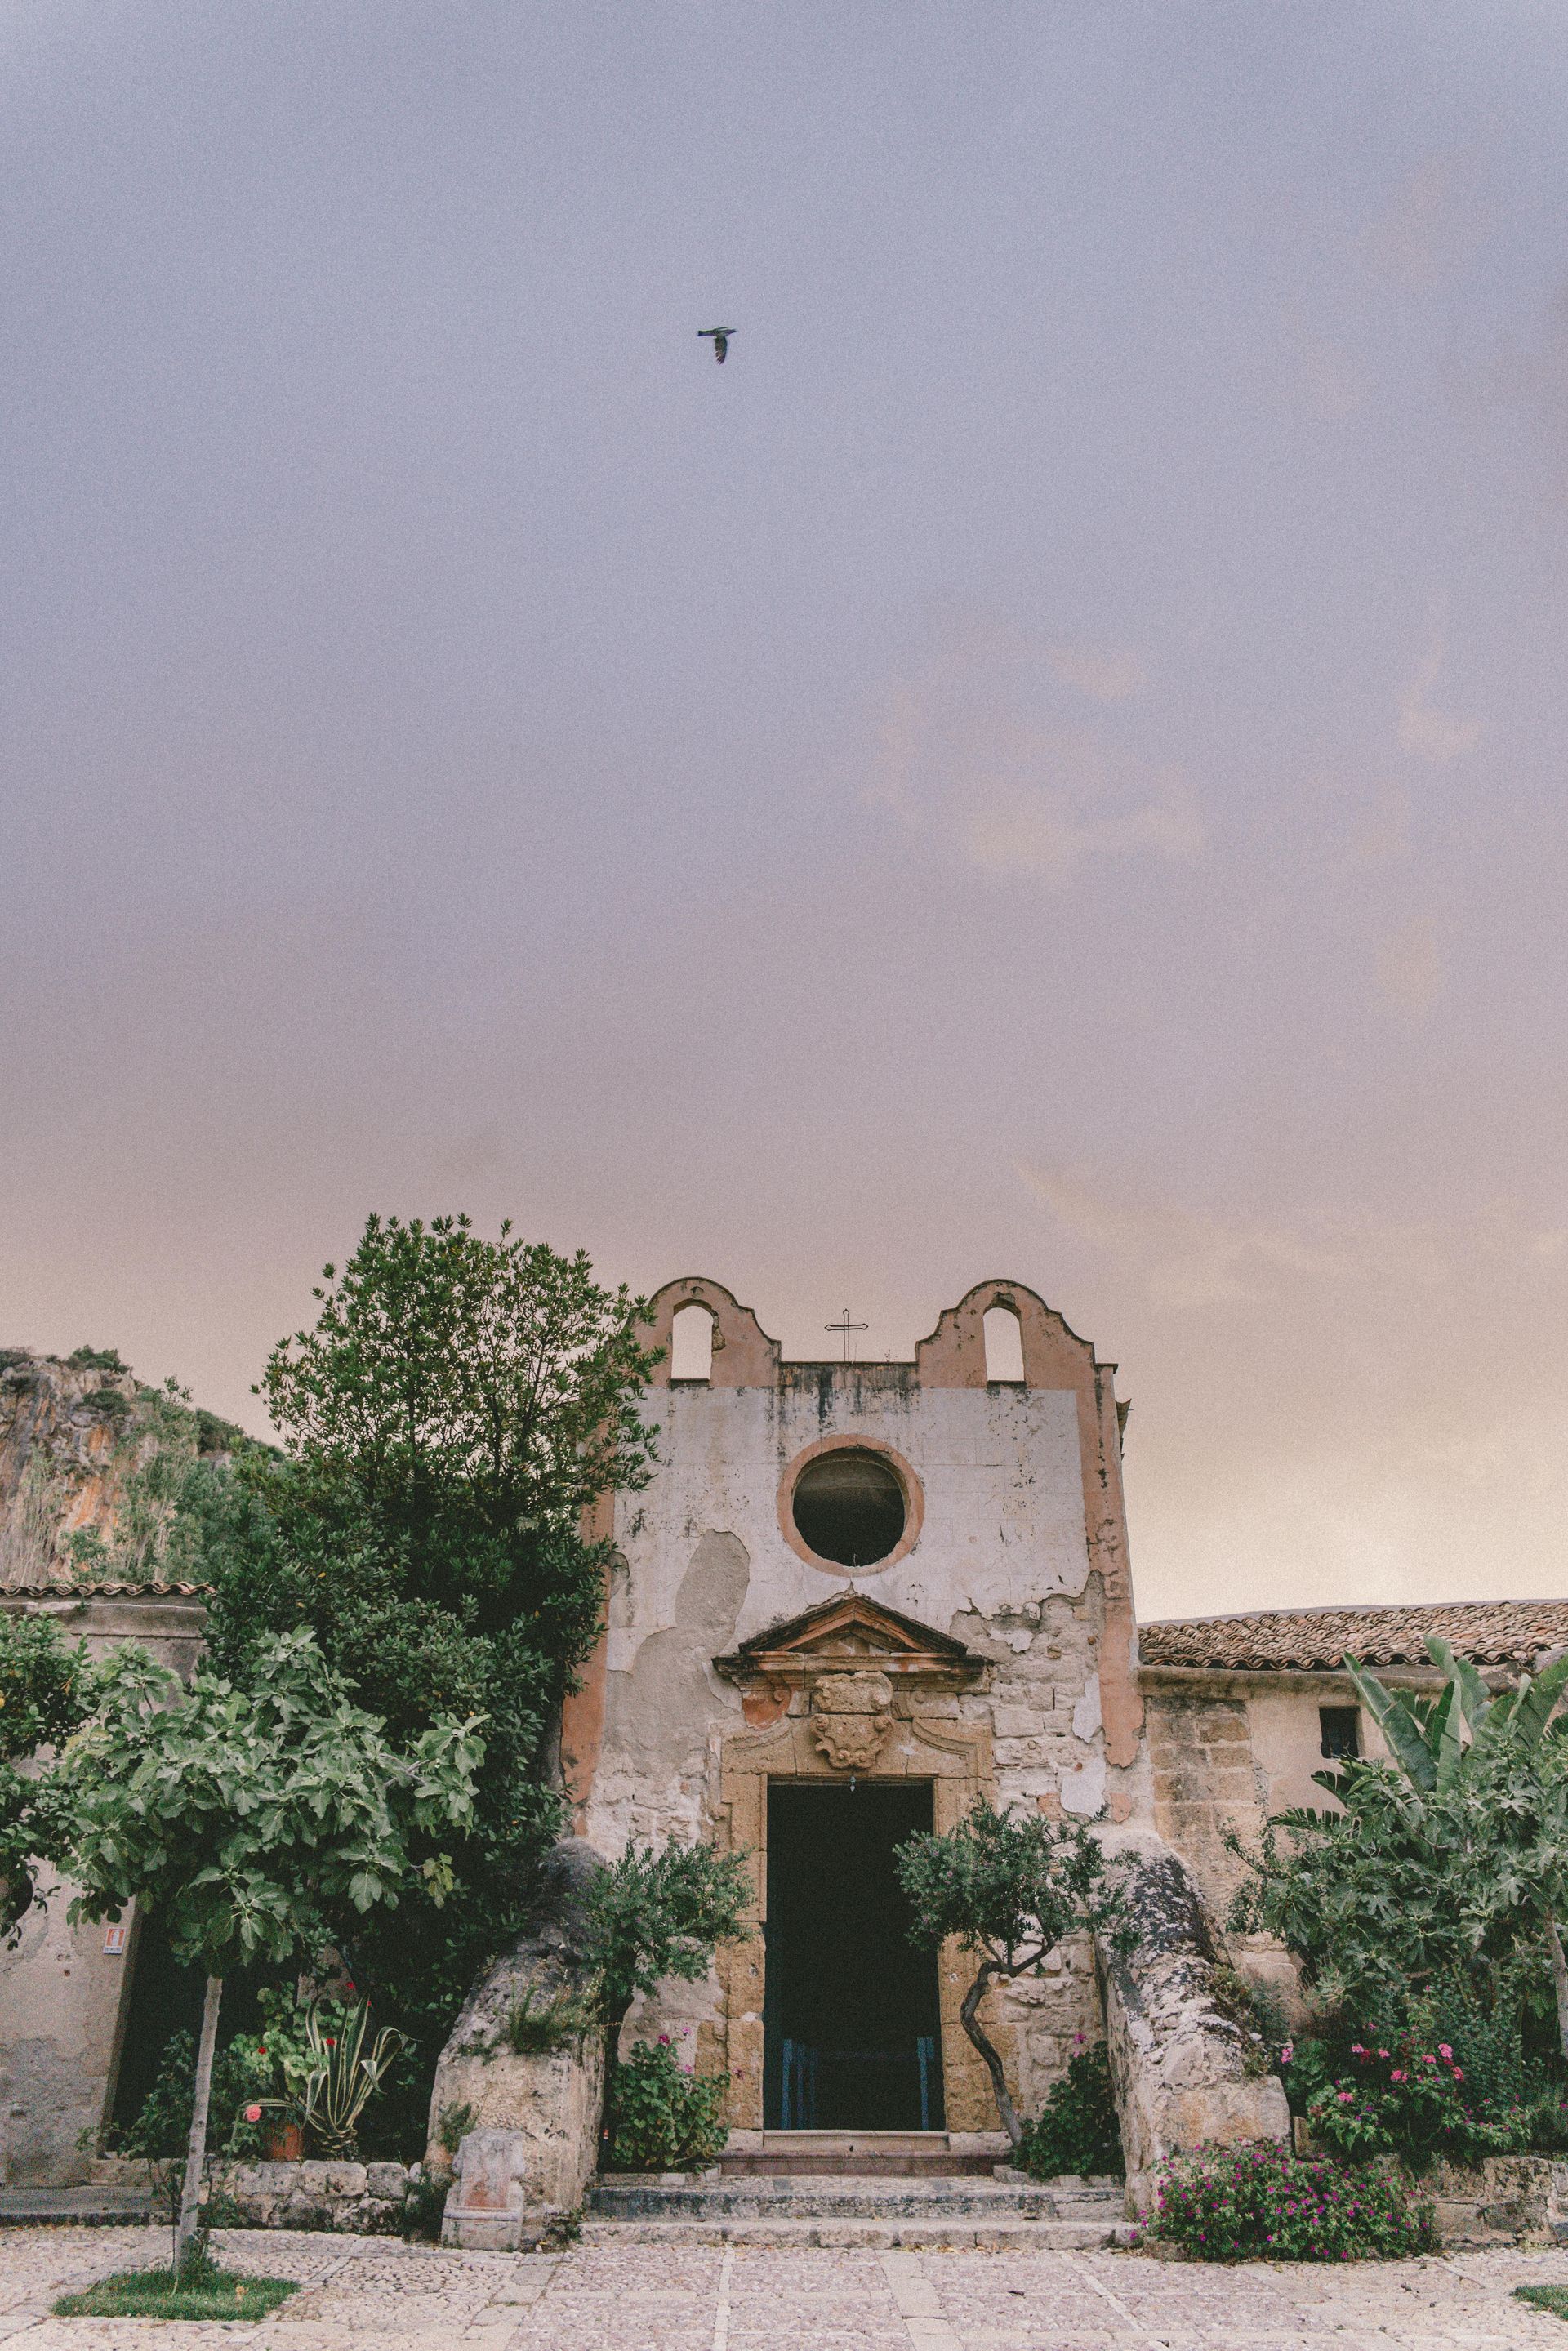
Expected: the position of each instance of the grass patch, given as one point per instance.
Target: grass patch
(1553, 2298)
(204, 2292)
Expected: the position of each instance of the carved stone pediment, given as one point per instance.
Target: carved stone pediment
(851, 1640)
(852, 1715)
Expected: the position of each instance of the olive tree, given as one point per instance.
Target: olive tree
(1010, 1888)
(258, 1817)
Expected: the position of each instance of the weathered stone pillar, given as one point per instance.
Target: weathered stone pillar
(1186, 2072)
(548, 2100)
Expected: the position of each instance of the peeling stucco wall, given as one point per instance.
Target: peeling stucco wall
(1011, 1559)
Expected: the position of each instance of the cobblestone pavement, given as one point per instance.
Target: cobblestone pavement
(366, 2294)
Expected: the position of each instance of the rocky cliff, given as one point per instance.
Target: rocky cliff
(91, 1466)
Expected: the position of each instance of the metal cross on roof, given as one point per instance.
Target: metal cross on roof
(843, 1326)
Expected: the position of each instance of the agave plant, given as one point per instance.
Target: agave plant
(342, 2075)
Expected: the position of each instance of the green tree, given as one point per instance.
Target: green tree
(1447, 1863)
(653, 1915)
(44, 1692)
(1009, 1888)
(456, 1405)
(260, 1818)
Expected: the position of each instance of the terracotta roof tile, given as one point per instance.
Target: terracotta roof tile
(1488, 1632)
(101, 1590)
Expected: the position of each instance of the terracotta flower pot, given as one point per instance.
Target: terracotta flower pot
(286, 2145)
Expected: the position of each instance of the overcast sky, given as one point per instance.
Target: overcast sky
(1050, 762)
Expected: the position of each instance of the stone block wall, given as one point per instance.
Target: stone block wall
(362, 2200)
(1206, 1779)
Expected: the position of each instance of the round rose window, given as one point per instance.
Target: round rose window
(849, 1506)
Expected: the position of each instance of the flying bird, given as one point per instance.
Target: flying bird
(719, 337)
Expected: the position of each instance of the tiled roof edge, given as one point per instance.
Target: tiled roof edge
(106, 1591)
(1491, 1631)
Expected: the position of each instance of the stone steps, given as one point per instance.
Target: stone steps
(633, 2196)
(867, 2155)
(955, 2235)
(87, 2208)
(849, 2209)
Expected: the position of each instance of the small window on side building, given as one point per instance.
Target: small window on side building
(1339, 1730)
(1004, 1347)
(690, 1344)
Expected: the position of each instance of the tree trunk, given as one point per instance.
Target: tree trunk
(196, 2153)
(1559, 1981)
(970, 2012)
(611, 2062)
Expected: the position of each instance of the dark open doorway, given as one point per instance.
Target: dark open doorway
(853, 2036)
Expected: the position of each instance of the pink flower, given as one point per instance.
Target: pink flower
(253, 2114)
(663, 2040)
(1458, 2073)
(1427, 2061)
(1445, 2053)
(1345, 2097)
(1397, 2076)
(1383, 2053)
(1287, 2052)
(1357, 2050)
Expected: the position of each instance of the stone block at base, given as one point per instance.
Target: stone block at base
(487, 2209)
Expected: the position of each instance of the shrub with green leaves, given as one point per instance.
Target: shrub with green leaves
(1443, 1873)
(1406, 2101)
(455, 1404)
(653, 1914)
(1076, 2131)
(243, 2075)
(45, 1692)
(665, 2117)
(1263, 2203)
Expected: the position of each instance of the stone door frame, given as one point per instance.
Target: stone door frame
(954, 1756)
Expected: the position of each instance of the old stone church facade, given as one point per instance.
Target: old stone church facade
(850, 1578)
